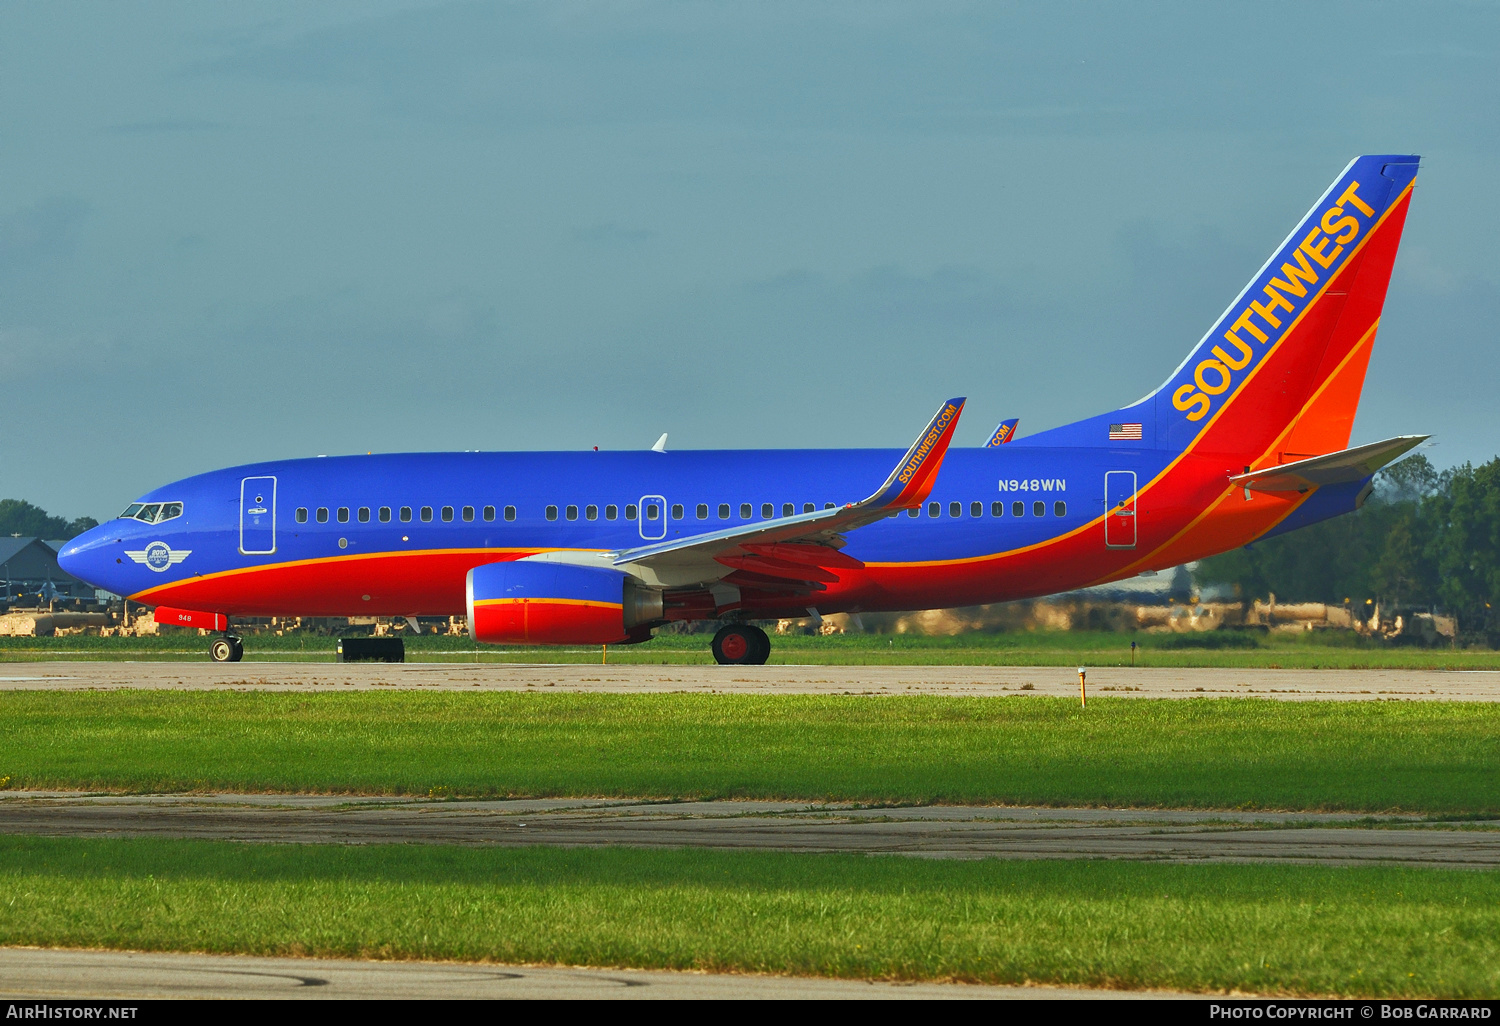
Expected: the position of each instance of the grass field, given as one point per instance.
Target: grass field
(1435, 758)
(1247, 649)
(1264, 929)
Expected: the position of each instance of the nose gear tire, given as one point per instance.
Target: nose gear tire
(226, 650)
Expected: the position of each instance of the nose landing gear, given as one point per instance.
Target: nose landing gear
(741, 644)
(227, 649)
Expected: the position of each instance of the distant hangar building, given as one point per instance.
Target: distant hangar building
(29, 573)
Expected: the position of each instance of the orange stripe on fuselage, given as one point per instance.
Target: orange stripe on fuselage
(428, 582)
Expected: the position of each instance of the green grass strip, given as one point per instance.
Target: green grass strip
(1278, 929)
(1428, 757)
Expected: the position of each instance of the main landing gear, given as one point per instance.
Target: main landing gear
(227, 649)
(742, 645)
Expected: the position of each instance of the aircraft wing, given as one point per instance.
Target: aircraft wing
(799, 549)
(1334, 468)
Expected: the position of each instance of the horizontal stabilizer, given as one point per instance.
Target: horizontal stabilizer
(1335, 468)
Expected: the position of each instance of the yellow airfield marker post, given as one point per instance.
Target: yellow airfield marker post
(1083, 695)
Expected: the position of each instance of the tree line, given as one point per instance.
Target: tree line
(1424, 538)
(20, 517)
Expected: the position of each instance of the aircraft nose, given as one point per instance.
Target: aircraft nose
(85, 557)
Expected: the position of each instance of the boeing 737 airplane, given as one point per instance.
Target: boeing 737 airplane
(1246, 439)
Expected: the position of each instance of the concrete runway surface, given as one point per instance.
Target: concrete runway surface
(927, 831)
(49, 973)
(1424, 685)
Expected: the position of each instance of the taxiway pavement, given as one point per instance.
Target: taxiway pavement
(942, 831)
(45, 973)
(1138, 682)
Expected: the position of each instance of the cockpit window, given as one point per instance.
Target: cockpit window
(152, 512)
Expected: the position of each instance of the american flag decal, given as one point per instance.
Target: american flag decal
(1124, 432)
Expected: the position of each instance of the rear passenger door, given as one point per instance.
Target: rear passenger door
(1119, 509)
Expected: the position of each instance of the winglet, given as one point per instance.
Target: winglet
(1004, 433)
(912, 480)
(661, 443)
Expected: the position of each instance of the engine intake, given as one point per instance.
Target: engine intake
(526, 603)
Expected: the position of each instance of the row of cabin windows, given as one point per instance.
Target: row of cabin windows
(997, 509)
(404, 514)
(679, 511)
(768, 510)
(653, 511)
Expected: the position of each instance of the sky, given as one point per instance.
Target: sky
(235, 232)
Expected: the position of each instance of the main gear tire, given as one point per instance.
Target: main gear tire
(740, 644)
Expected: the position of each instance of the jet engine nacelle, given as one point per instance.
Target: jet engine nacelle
(525, 603)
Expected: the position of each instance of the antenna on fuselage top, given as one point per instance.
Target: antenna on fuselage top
(661, 443)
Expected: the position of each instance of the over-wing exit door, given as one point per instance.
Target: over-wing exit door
(653, 517)
(1119, 509)
(258, 516)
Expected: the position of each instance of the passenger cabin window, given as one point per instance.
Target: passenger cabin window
(447, 514)
(914, 512)
(723, 511)
(653, 511)
(343, 514)
(301, 515)
(976, 509)
(997, 508)
(591, 512)
(426, 514)
(468, 514)
(702, 511)
(746, 511)
(630, 511)
(405, 514)
(572, 512)
(489, 513)
(551, 512)
(955, 509)
(788, 509)
(611, 512)
(1039, 508)
(1059, 509)
(934, 509)
(829, 505)
(808, 507)
(677, 511)
(363, 514)
(767, 510)
(322, 514)
(385, 514)
(510, 513)
(1018, 509)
